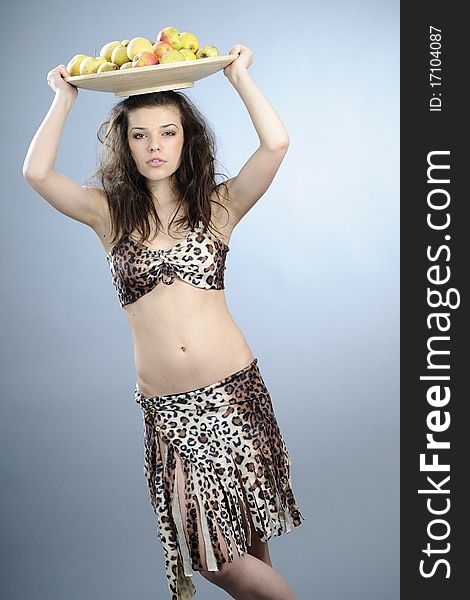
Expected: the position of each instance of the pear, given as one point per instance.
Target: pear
(108, 48)
(73, 66)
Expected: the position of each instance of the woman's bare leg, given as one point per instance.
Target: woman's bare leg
(251, 576)
(258, 549)
(248, 578)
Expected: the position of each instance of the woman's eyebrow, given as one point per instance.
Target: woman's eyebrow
(161, 126)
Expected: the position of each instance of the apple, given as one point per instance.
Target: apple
(207, 51)
(144, 59)
(90, 65)
(107, 66)
(189, 41)
(138, 44)
(171, 56)
(159, 48)
(171, 36)
(107, 50)
(125, 42)
(119, 55)
(188, 54)
(73, 66)
(126, 65)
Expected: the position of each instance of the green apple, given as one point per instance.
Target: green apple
(107, 66)
(107, 50)
(90, 64)
(119, 55)
(207, 51)
(189, 41)
(188, 54)
(138, 44)
(73, 66)
(171, 56)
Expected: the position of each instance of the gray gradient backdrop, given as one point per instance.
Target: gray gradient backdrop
(312, 279)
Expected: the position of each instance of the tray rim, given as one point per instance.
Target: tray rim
(159, 67)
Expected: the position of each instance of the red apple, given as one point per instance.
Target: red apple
(159, 48)
(145, 59)
(171, 36)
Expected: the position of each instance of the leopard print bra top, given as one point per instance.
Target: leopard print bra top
(137, 269)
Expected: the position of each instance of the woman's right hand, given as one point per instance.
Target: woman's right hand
(55, 79)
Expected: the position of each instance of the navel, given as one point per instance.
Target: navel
(183, 348)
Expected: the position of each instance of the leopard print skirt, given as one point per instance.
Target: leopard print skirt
(226, 440)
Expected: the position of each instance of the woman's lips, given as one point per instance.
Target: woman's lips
(156, 163)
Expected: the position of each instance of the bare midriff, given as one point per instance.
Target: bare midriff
(184, 338)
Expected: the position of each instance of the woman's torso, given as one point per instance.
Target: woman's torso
(184, 336)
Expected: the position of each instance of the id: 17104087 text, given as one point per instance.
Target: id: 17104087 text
(435, 70)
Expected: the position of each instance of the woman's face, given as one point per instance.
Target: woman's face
(155, 132)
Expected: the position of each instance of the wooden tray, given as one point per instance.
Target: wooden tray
(156, 78)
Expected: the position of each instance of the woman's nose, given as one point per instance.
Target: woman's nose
(153, 146)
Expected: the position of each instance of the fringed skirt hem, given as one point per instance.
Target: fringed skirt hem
(215, 460)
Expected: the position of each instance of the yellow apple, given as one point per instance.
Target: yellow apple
(171, 56)
(107, 66)
(125, 42)
(138, 44)
(90, 65)
(159, 48)
(207, 51)
(171, 36)
(188, 54)
(119, 55)
(107, 50)
(126, 65)
(73, 66)
(144, 59)
(189, 41)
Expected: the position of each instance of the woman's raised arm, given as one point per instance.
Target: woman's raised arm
(258, 172)
(80, 203)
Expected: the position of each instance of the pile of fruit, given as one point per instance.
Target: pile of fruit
(171, 45)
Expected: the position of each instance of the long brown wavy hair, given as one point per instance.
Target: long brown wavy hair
(130, 201)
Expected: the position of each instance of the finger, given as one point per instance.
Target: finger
(63, 71)
(55, 71)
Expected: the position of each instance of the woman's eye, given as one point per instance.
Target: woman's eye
(136, 136)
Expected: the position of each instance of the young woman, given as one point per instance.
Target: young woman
(217, 467)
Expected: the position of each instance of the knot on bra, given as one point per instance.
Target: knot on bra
(199, 259)
(164, 271)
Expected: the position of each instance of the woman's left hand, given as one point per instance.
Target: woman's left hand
(241, 63)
